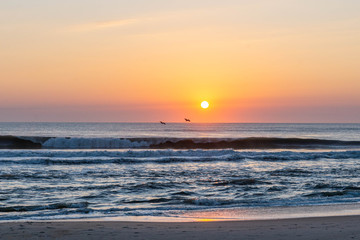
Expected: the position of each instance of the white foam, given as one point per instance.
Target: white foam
(92, 143)
(160, 156)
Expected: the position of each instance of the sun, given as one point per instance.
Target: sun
(204, 104)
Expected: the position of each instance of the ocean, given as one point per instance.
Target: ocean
(64, 171)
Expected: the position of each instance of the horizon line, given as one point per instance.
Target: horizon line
(170, 122)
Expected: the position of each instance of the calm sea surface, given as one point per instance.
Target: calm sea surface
(96, 170)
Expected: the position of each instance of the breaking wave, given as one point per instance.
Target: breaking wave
(83, 157)
(13, 142)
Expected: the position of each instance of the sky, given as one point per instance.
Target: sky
(145, 61)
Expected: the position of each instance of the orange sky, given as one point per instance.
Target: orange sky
(254, 61)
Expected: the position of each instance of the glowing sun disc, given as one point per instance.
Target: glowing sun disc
(204, 104)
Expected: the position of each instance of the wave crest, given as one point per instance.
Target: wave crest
(84, 157)
(12, 142)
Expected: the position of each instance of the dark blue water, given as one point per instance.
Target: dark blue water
(95, 170)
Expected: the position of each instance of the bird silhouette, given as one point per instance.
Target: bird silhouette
(187, 120)
(162, 122)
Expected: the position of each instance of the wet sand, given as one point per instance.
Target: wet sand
(339, 227)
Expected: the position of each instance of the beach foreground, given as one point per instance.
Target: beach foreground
(339, 227)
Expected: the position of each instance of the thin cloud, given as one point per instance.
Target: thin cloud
(95, 26)
(102, 25)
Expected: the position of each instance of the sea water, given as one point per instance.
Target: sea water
(123, 170)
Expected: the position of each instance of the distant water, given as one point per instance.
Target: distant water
(96, 170)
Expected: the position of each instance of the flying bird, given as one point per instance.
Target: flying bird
(162, 122)
(187, 120)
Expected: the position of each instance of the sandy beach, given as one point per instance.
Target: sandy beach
(339, 227)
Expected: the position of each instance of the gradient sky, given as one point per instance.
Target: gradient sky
(141, 60)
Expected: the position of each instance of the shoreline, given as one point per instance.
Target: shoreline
(335, 227)
(225, 214)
